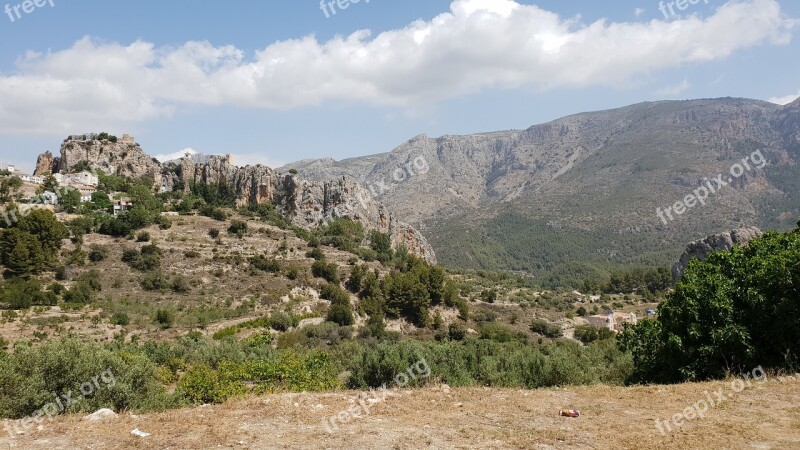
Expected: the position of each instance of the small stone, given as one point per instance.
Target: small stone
(100, 414)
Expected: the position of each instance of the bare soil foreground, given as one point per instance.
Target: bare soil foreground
(765, 415)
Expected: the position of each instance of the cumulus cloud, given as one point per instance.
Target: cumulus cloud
(478, 44)
(785, 100)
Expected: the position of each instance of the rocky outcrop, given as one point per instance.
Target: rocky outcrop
(308, 204)
(44, 164)
(119, 157)
(701, 249)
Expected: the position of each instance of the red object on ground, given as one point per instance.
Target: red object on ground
(570, 413)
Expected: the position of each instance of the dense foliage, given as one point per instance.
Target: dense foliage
(737, 310)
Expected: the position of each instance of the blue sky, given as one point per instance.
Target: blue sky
(274, 82)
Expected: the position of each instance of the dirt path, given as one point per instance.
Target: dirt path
(763, 416)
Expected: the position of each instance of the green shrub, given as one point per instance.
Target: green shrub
(588, 333)
(238, 227)
(30, 376)
(201, 385)
(734, 311)
(315, 253)
(326, 271)
(456, 332)
(545, 328)
(143, 236)
(97, 253)
(165, 318)
(213, 233)
(340, 313)
(265, 264)
(120, 318)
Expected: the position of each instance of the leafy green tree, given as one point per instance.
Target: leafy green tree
(101, 202)
(50, 184)
(47, 229)
(21, 252)
(736, 310)
(9, 189)
(70, 199)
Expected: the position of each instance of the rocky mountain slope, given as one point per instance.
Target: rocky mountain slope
(306, 203)
(581, 194)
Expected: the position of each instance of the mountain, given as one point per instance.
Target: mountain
(580, 196)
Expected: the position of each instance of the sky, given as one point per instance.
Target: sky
(278, 81)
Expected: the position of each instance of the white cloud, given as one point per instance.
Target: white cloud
(638, 12)
(785, 100)
(479, 44)
(675, 90)
(175, 155)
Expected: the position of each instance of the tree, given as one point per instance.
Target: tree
(101, 202)
(341, 313)
(9, 189)
(44, 225)
(50, 184)
(70, 199)
(734, 311)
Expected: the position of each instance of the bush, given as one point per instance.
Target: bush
(545, 328)
(334, 293)
(213, 233)
(238, 227)
(315, 253)
(340, 313)
(329, 272)
(143, 236)
(120, 318)
(30, 375)
(281, 322)
(265, 264)
(164, 223)
(588, 333)
(155, 281)
(97, 253)
(456, 332)
(165, 318)
(202, 385)
(22, 293)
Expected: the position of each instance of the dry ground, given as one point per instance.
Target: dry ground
(764, 416)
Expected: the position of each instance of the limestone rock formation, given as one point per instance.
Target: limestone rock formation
(701, 249)
(44, 164)
(308, 204)
(121, 157)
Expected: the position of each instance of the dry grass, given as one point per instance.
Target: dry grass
(764, 416)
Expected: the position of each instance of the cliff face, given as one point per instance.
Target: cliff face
(701, 249)
(308, 204)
